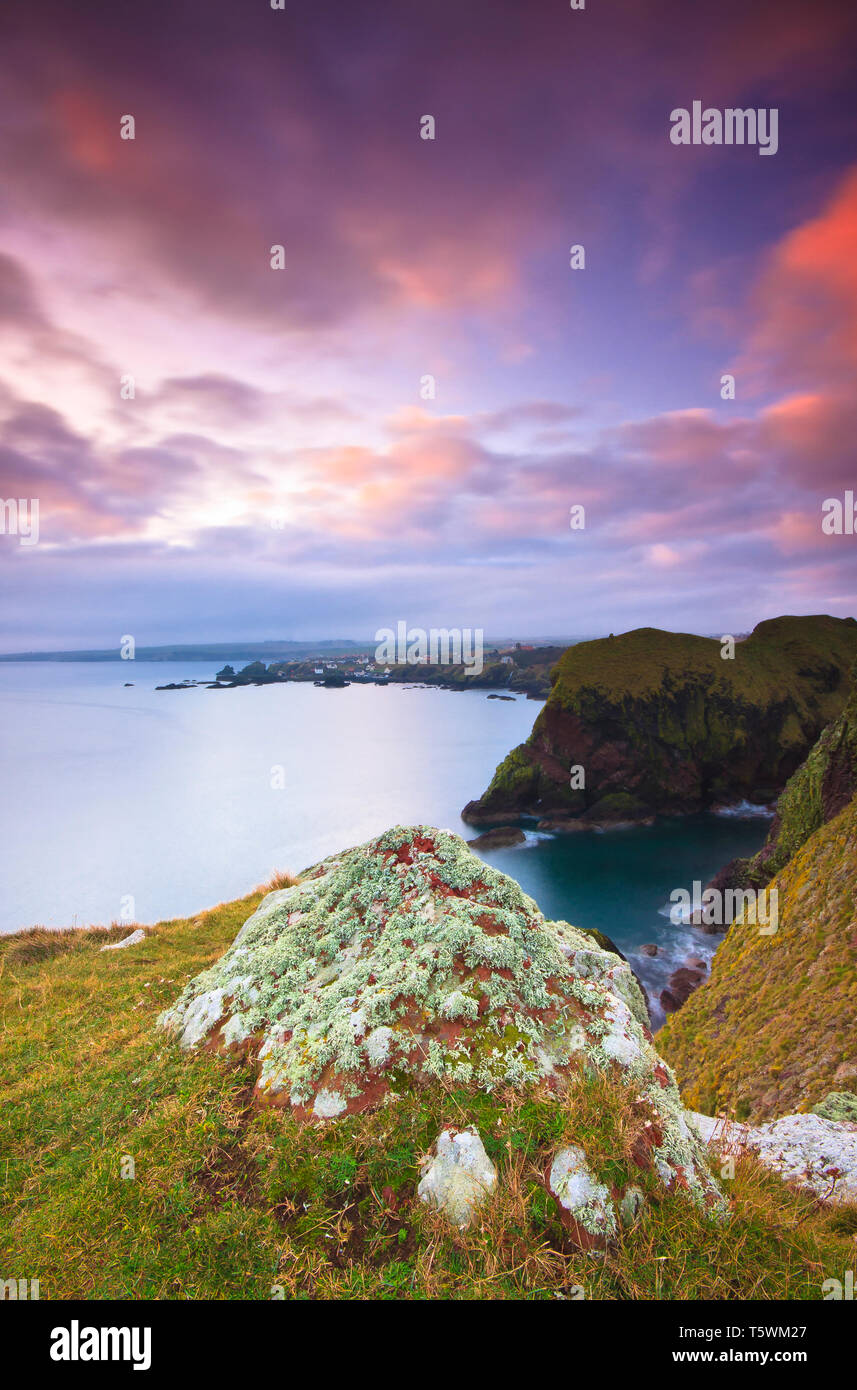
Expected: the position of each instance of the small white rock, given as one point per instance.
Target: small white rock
(132, 940)
(631, 1205)
(587, 1201)
(459, 1176)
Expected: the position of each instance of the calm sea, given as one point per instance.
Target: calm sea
(180, 799)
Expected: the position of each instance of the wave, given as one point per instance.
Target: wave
(682, 914)
(533, 838)
(746, 810)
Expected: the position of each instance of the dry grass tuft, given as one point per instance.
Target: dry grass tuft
(279, 879)
(39, 944)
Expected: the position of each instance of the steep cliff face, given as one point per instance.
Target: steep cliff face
(822, 787)
(660, 721)
(773, 1029)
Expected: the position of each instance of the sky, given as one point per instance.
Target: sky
(285, 468)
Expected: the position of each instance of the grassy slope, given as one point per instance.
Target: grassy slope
(229, 1200)
(767, 1031)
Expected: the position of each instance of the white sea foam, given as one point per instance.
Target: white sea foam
(746, 810)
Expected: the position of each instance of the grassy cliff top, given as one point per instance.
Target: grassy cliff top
(229, 1201)
(768, 1031)
(768, 664)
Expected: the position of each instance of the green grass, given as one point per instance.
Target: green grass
(230, 1201)
(782, 656)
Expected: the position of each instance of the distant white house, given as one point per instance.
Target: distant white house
(319, 670)
(505, 660)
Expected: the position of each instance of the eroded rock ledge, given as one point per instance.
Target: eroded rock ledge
(814, 1151)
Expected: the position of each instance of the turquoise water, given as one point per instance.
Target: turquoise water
(162, 803)
(620, 882)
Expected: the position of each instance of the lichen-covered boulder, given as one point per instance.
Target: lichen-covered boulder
(458, 1176)
(408, 961)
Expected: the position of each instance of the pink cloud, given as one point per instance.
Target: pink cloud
(806, 301)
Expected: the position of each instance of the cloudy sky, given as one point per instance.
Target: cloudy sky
(280, 471)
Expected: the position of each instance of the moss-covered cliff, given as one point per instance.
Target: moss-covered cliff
(660, 721)
(822, 787)
(773, 1029)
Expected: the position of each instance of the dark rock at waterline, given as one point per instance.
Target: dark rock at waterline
(596, 819)
(616, 812)
(682, 983)
(473, 816)
(736, 876)
(562, 825)
(648, 949)
(498, 838)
